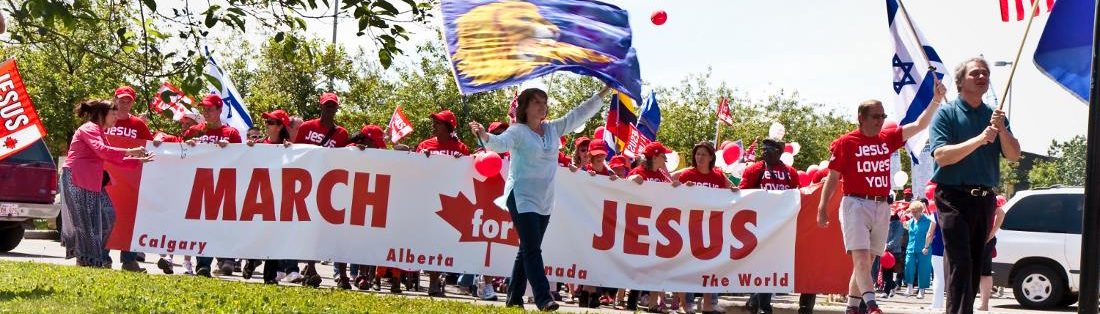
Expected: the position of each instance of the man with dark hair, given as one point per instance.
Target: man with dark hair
(967, 140)
(862, 158)
(770, 173)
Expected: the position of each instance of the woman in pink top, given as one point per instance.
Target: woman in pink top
(89, 215)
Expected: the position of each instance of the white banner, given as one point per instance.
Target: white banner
(401, 209)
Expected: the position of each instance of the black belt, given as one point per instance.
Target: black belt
(869, 197)
(973, 190)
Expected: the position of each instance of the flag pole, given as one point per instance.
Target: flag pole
(1090, 236)
(1015, 63)
(717, 122)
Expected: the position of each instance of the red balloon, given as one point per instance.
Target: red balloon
(659, 17)
(930, 191)
(887, 260)
(889, 124)
(725, 144)
(803, 178)
(788, 148)
(1001, 200)
(488, 163)
(731, 154)
(813, 173)
(598, 134)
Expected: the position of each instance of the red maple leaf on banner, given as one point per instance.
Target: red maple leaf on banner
(9, 143)
(481, 220)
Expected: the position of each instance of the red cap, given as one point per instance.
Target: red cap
(125, 91)
(597, 147)
(212, 100)
(655, 148)
(619, 161)
(908, 191)
(374, 134)
(446, 116)
(279, 115)
(330, 97)
(581, 141)
(493, 127)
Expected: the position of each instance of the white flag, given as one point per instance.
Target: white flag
(912, 82)
(234, 111)
(399, 126)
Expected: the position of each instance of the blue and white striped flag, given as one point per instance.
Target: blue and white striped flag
(234, 111)
(913, 83)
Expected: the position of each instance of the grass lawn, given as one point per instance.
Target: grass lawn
(44, 288)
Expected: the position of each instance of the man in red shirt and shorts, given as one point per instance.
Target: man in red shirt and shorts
(862, 158)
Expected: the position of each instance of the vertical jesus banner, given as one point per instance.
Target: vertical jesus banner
(19, 123)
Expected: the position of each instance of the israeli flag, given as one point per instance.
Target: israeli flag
(234, 111)
(914, 85)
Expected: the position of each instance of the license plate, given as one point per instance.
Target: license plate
(9, 209)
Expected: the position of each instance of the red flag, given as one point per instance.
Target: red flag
(512, 108)
(171, 98)
(750, 153)
(1015, 9)
(399, 126)
(21, 125)
(724, 111)
(635, 143)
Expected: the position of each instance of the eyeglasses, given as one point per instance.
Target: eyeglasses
(878, 116)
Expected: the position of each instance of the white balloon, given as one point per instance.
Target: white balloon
(672, 161)
(787, 158)
(796, 148)
(777, 131)
(812, 168)
(900, 178)
(580, 129)
(823, 165)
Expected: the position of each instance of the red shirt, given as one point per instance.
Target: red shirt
(774, 177)
(311, 132)
(131, 127)
(201, 134)
(714, 179)
(450, 147)
(606, 171)
(655, 176)
(864, 161)
(564, 160)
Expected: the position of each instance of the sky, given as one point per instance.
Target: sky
(835, 53)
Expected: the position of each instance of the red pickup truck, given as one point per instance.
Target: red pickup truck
(28, 190)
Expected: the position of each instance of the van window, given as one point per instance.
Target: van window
(1053, 213)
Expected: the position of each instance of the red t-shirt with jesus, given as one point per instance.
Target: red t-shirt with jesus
(450, 147)
(131, 127)
(655, 176)
(311, 132)
(201, 134)
(775, 177)
(864, 161)
(714, 179)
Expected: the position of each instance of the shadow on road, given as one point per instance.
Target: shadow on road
(25, 255)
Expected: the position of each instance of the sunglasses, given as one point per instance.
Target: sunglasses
(878, 116)
(273, 122)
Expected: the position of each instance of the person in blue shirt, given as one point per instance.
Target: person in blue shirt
(918, 263)
(533, 143)
(968, 139)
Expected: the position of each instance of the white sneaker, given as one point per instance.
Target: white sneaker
(279, 276)
(295, 276)
(909, 291)
(920, 294)
(187, 268)
(486, 292)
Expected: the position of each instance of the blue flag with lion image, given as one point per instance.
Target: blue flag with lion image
(494, 44)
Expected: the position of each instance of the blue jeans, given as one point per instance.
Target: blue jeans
(528, 267)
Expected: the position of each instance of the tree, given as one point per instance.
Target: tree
(1068, 167)
(36, 21)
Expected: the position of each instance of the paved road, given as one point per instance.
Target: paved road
(48, 251)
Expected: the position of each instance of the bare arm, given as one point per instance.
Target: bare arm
(925, 118)
(998, 219)
(826, 194)
(950, 154)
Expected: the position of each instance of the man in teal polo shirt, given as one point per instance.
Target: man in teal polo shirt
(968, 139)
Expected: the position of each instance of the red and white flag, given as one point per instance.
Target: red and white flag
(724, 111)
(1016, 9)
(635, 143)
(169, 97)
(21, 126)
(512, 108)
(399, 125)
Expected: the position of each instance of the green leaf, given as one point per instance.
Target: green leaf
(151, 4)
(279, 36)
(385, 58)
(210, 20)
(386, 6)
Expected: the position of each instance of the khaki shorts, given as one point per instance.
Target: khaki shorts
(865, 224)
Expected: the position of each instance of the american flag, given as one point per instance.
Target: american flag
(1015, 9)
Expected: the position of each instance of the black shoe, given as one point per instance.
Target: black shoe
(313, 281)
(203, 271)
(249, 268)
(549, 307)
(343, 283)
(165, 266)
(271, 282)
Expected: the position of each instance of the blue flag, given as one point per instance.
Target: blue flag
(493, 44)
(650, 120)
(913, 82)
(1064, 52)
